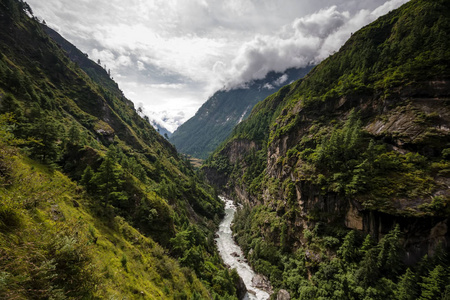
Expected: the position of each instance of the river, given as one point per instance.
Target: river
(232, 254)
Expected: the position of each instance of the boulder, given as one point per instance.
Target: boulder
(261, 282)
(283, 295)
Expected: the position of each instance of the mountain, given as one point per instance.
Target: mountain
(344, 175)
(95, 71)
(217, 117)
(94, 203)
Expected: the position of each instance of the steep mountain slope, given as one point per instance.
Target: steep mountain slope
(217, 117)
(361, 143)
(94, 70)
(94, 203)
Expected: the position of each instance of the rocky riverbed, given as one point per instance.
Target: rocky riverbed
(258, 287)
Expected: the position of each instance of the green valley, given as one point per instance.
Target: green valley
(340, 179)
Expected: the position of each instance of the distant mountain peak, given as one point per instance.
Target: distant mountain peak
(228, 107)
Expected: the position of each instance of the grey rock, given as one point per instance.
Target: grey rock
(261, 282)
(283, 295)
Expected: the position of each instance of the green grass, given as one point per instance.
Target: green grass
(46, 218)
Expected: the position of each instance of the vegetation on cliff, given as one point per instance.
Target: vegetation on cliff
(361, 143)
(94, 203)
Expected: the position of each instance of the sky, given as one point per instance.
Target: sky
(169, 56)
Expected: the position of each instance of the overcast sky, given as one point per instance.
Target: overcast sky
(169, 56)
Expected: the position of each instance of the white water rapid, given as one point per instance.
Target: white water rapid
(232, 254)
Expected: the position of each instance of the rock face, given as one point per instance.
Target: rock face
(408, 118)
(241, 289)
(283, 295)
(261, 282)
(398, 125)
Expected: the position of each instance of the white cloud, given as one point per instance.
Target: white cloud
(140, 66)
(306, 40)
(283, 78)
(268, 86)
(171, 55)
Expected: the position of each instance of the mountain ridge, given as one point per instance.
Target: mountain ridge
(216, 118)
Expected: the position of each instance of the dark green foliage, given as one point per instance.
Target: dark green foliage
(407, 286)
(72, 117)
(87, 179)
(362, 268)
(108, 181)
(433, 284)
(9, 104)
(46, 133)
(348, 251)
(195, 252)
(389, 256)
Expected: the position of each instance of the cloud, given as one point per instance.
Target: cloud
(283, 78)
(322, 23)
(165, 119)
(172, 55)
(307, 40)
(268, 86)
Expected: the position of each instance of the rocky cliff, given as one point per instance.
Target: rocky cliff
(362, 142)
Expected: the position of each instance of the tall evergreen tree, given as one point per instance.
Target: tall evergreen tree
(433, 285)
(407, 286)
(348, 251)
(109, 181)
(46, 147)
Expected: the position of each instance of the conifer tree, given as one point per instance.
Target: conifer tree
(87, 179)
(389, 253)
(108, 179)
(407, 286)
(348, 251)
(45, 131)
(433, 285)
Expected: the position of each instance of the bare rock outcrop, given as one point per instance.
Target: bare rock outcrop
(262, 282)
(283, 295)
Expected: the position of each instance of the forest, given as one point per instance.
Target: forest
(94, 203)
(342, 174)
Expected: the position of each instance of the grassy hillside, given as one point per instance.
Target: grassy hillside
(354, 156)
(94, 203)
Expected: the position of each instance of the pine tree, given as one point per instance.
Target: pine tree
(367, 245)
(368, 272)
(108, 180)
(74, 135)
(389, 258)
(348, 251)
(407, 286)
(87, 179)
(45, 131)
(433, 285)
